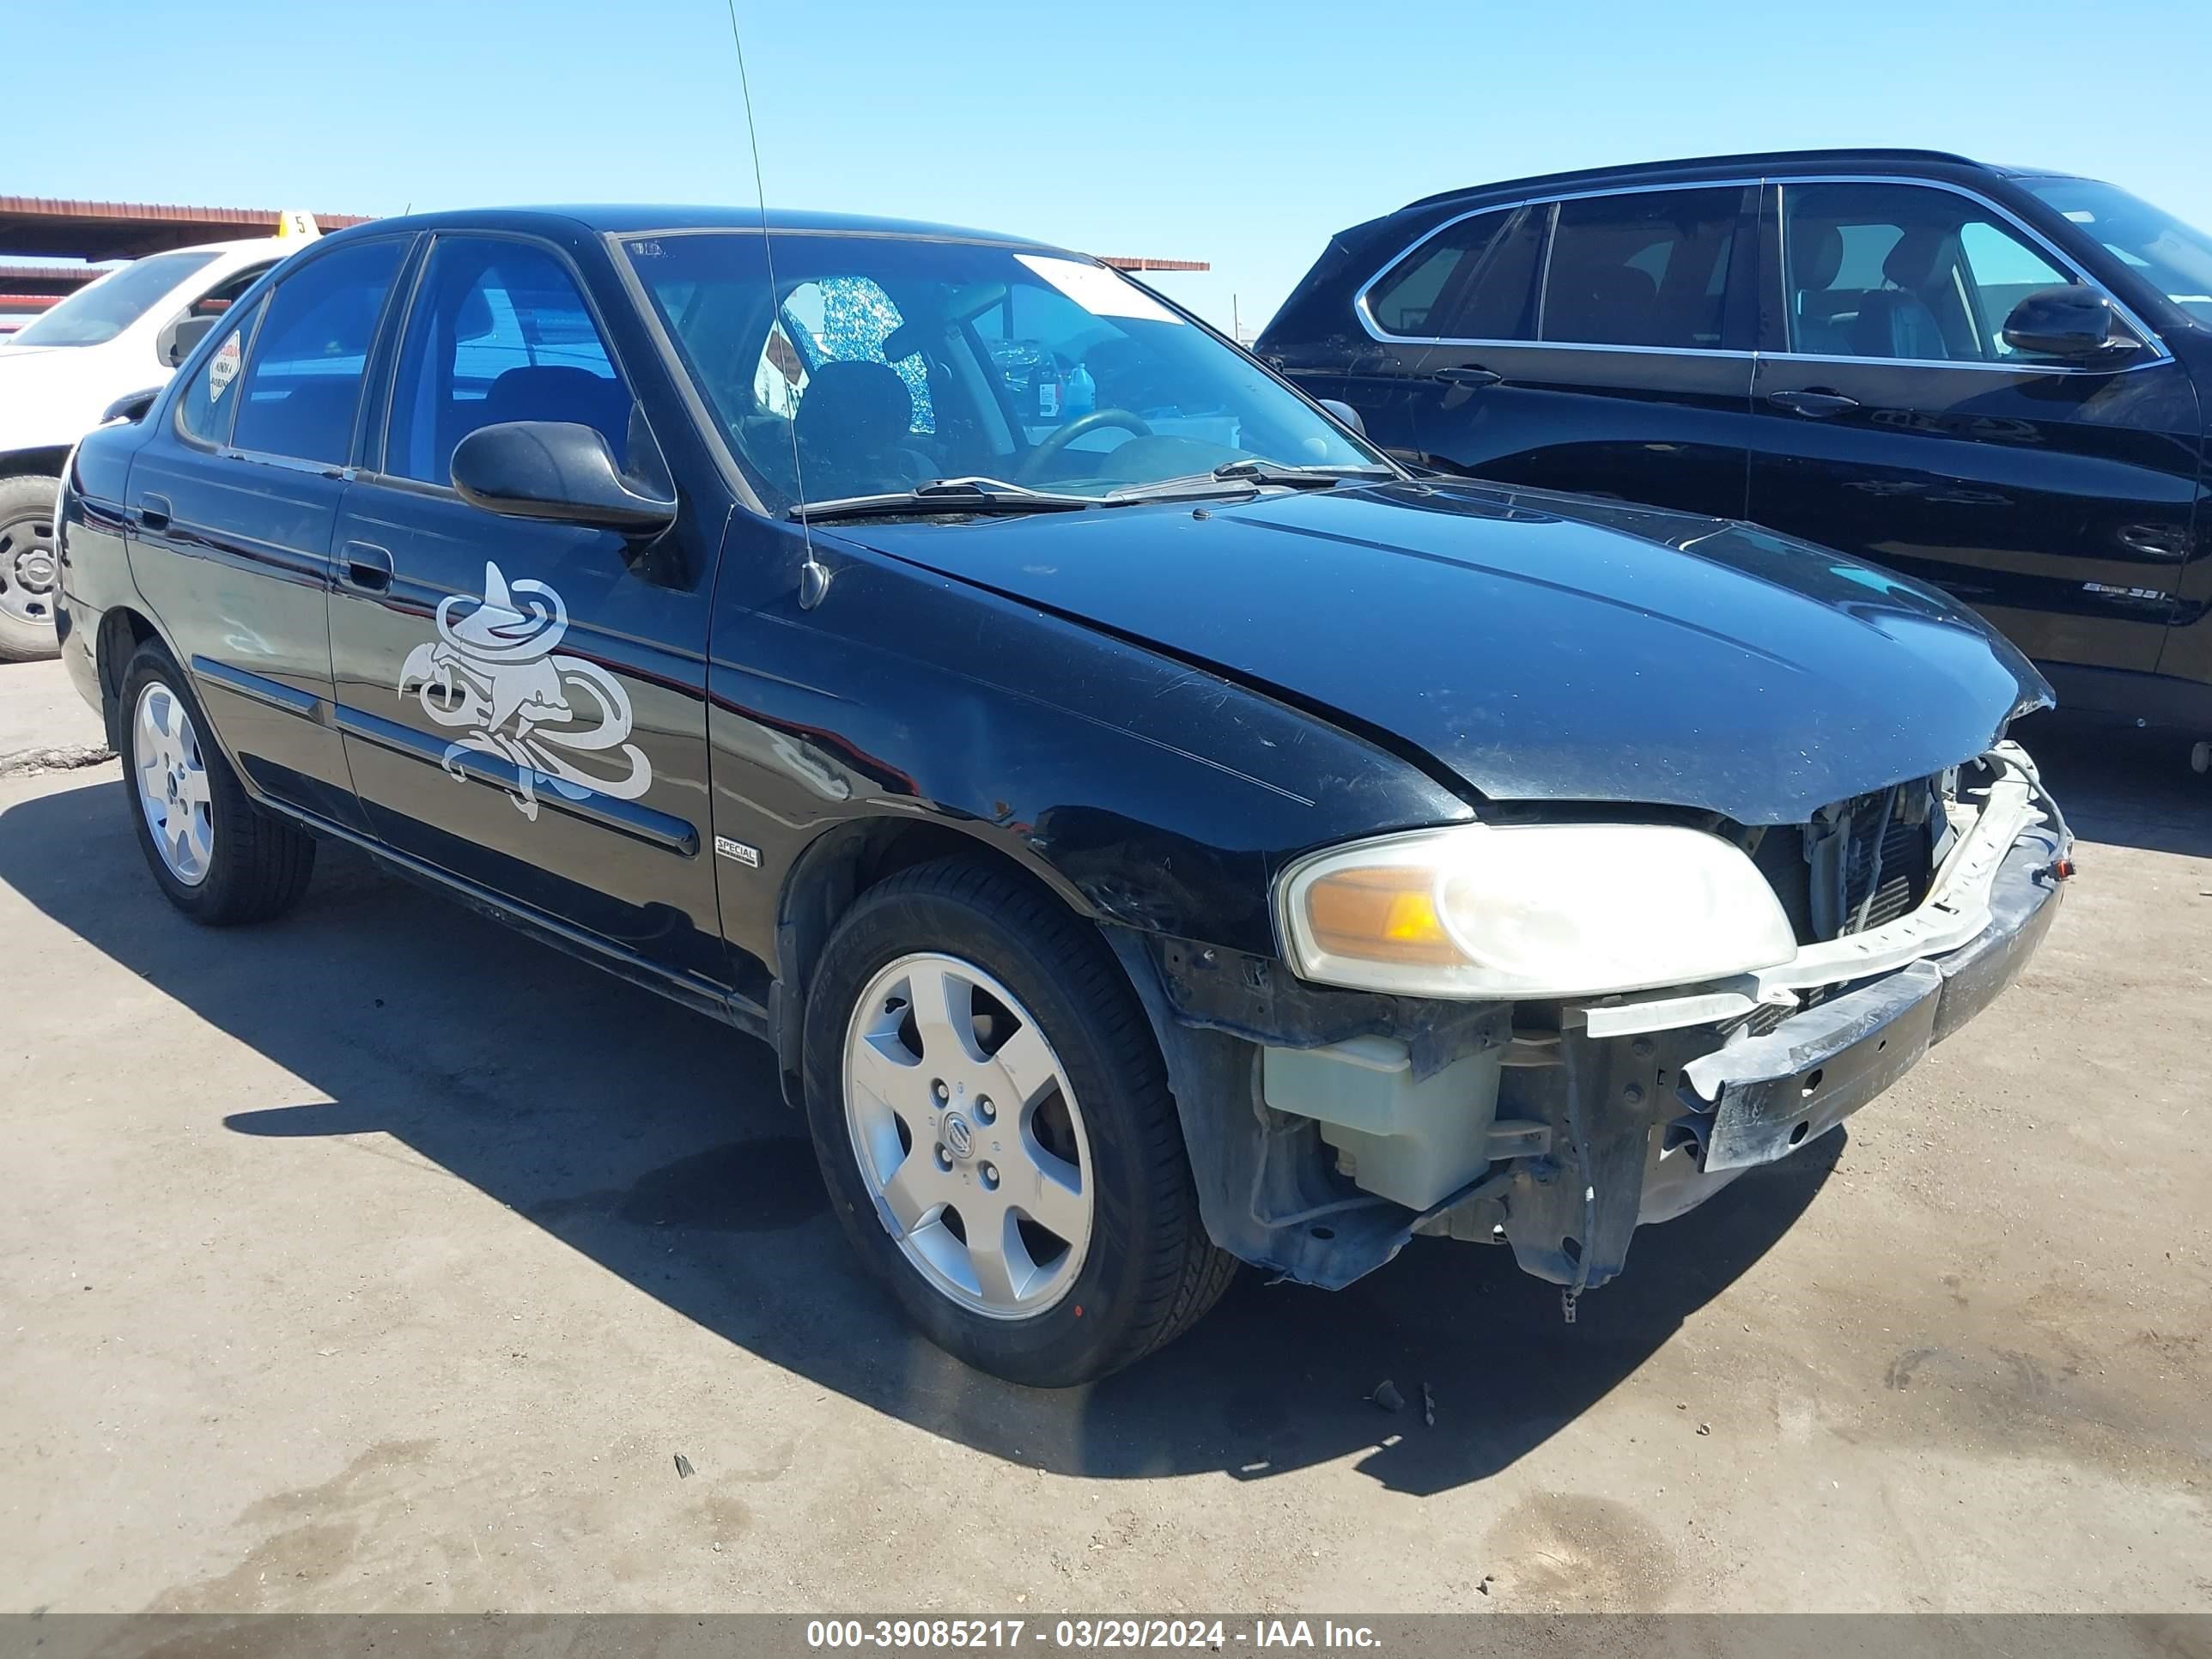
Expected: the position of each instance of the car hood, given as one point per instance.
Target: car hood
(1538, 647)
(51, 394)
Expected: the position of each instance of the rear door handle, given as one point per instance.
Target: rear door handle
(1469, 375)
(1813, 403)
(153, 512)
(366, 566)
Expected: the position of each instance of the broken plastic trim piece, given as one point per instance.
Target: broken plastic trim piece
(1956, 909)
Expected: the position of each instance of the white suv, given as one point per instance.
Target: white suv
(125, 332)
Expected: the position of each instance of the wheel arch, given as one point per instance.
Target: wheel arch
(122, 631)
(45, 461)
(841, 865)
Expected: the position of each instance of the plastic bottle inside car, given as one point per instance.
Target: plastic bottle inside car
(1082, 393)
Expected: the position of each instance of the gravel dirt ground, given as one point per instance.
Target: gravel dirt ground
(381, 1259)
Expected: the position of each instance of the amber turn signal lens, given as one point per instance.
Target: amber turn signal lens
(1381, 913)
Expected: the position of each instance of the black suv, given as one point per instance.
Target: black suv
(1153, 830)
(1994, 379)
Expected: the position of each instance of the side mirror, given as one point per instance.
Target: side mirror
(2074, 321)
(183, 335)
(555, 471)
(132, 406)
(1344, 412)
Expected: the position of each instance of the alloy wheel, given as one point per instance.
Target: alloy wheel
(969, 1135)
(172, 781)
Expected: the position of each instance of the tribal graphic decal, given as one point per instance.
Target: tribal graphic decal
(492, 668)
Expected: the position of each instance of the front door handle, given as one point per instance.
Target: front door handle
(366, 566)
(153, 512)
(1813, 402)
(1470, 375)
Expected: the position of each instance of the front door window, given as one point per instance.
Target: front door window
(1904, 272)
(499, 333)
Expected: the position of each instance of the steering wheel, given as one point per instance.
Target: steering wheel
(1033, 465)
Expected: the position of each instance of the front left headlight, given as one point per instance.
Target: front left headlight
(1479, 911)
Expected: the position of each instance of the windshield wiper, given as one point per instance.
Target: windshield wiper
(1263, 470)
(1252, 470)
(944, 495)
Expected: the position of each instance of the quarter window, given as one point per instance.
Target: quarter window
(1648, 268)
(1903, 271)
(204, 412)
(499, 333)
(302, 387)
(1471, 281)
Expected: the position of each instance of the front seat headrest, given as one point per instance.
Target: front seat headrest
(1918, 255)
(859, 408)
(1816, 254)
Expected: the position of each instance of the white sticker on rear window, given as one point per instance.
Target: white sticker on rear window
(222, 369)
(1097, 289)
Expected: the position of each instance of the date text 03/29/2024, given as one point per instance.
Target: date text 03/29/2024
(1080, 1635)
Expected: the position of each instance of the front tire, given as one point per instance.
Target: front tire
(217, 857)
(28, 573)
(994, 1122)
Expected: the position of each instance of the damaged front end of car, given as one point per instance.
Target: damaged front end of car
(1466, 1090)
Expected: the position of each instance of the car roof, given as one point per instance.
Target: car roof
(1691, 167)
(252, 244)
(622, 219)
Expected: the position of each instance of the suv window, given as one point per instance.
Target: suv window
(303, 384)
(1648, 268)
(1903, 271)
(499, 333)
(1472, 281)
(204, 412)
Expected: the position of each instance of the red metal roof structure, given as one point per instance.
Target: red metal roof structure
(33, 287)
(52, 229)
(1145, 262)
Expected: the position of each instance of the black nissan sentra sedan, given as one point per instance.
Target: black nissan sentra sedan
(1153, 830)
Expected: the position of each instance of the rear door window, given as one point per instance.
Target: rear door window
(301, 387)
(1647, 268)
(1471, 281)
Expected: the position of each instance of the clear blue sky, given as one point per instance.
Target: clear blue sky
(1241, 133)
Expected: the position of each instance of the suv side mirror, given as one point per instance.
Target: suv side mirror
(2074, 321)
(183, 335)
(555, 471)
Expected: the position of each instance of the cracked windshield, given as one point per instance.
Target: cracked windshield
(897, 375)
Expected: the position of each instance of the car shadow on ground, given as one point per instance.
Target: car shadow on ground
(654, 1142)
(2122, 786)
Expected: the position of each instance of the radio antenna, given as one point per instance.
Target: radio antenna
(813, 574)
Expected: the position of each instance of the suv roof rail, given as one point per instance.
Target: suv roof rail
(1754, 157)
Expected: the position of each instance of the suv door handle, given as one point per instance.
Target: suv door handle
(1470, 375)
(153, 512)
(366, 566)
(1813, 401)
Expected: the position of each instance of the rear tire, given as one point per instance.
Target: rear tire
(217, 857)
(1077, 1169)
(28, 573)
